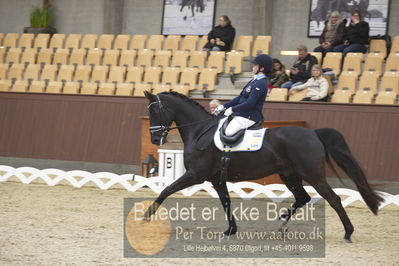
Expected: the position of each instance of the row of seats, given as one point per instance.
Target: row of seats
(230, 62)
(189, 77)
(246, 44)
(340, 96)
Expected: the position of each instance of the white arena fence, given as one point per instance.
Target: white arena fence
(132, 183)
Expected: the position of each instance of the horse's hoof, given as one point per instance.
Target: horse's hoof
(344, 240)
(230, 231)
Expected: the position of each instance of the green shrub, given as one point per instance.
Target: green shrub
(40, 17)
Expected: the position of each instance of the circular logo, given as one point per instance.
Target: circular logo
(147, 237)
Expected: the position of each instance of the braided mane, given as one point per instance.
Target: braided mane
(185, 98)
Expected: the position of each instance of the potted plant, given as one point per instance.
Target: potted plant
(40, 20)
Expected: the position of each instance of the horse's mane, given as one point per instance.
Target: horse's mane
(185, 98)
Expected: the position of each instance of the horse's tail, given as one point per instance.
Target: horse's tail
(335, 144)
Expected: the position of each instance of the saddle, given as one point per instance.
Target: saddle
(238, 136)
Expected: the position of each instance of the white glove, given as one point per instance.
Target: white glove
(228, 112)
(220, 108)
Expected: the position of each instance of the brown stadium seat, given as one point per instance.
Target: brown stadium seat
(368, 83)
(341, 96)
(390, 83)
(28, 56)
(278, 94)
(138, 42)
(3, 71)
(26, 40)
(82, 73)
(99, 74)
(134, 74)
(16, 71)
(181, 89)
(32, 72)
(65, 73)
(5, 85)
(386, 97)
(10, 40)
(201, 43)
(197, 59)
(89, 88)
(140, 88)
(234, 62)
(20, 86)
(2, 53)
(154, 43)
(89, 41)
(77, 57)
(347, 80)
(117, 74)
(189, 78)
(207, 79)
(73, 41)
(374, 62)
(162, 58)
(333, 61)
(394, 47)
(105, 41)
(54, 87)
(152, 76)
(127, 58)
(124, 89)
(71, 88)
(44, 56)
(180, 59)
(170, 76)
(94, 57)
(363, 96)
(261, 45)
(106, 89)
(392, 62)
(13, 55)
(161, 88)
(353, 62)
(244, 44)
(111, 57)
(121, 42)
(318, 55)
(172, 42)
(298, 96)
(61, 56)
(144, 58)
(57, 41)
(48, 72)
(37, 86)
(189, 43)
(216, 61)
(41, 40)
(378, 46)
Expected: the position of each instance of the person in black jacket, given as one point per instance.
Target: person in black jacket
(333, 33)
(300, 71)
(221, 37)
(356, 36)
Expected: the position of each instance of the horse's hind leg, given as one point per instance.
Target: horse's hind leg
(224, 197)
(294, 184)
(324, 189)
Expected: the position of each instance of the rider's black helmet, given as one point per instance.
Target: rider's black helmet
(265, 61)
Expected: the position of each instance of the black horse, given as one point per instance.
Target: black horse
(295, 153)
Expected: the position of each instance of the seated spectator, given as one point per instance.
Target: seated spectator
(221, 37)
(333, 33)
(356, 36)
(213, 104)
(317, 87)
(300, 71)
(278, 75)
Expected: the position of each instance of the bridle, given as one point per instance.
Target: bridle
(164, 127)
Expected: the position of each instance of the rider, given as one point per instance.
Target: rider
(247, 107)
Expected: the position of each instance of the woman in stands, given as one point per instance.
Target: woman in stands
(221, 37)
(248, 106)
(333, 33)
(317, 87)
(356, 37)
(278, 76)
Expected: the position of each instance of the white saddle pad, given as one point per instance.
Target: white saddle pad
(252, 141)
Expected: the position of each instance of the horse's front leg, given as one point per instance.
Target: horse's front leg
(185, 181)
(221, 189)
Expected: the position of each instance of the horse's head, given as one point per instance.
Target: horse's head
(160, 119)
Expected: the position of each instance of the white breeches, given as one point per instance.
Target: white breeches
(238, 123)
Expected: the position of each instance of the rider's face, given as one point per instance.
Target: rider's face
(256, 68)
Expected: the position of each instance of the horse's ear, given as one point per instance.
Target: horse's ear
(151, 97)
